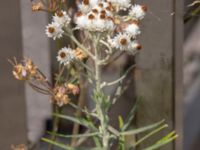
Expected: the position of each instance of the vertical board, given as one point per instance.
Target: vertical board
(160, 67)
(36, 47)
(178, 71)
(12, 102)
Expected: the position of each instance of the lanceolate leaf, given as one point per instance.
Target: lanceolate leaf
(65, 147)
(131, 115)
(143, 129)
(80, 121)
(162, 143)
(76, 136)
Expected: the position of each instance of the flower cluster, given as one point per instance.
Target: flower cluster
(61, 93)
(128, 30)
(60, 22)
(24, 70)
(95, 16)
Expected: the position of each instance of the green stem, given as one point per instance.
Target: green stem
(100, 110)
(55, 127)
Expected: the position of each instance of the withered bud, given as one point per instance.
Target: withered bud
(79, 13)
(74, 89)
(139, 46)
(37, 6)
(86, 2)
(144, 8)
(24, 70)
(59, 13)
(19, 147)
(60, 96)
(80, 54)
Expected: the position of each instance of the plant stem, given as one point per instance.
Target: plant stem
(100, 110)
(55, 126)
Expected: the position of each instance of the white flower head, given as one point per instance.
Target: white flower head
(121, 41)
(54, 30)
(85, 6)
(138, 12)
(61, 18)
(121, 4)
(98, 19)
(132, 29)
(65, 56)
(81, 19)
(93, 2)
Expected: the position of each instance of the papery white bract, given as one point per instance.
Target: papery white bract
(93, 2)
(137, 12)
(61, 18)
(54, 30)
(132, 29)
(85, 6)
(98, 19)
(124, 42)
(65, 55)
(121, 41)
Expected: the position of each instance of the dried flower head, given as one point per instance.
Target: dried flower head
(19, 147)
(24, 70)
(37, 6)
(72, 88)
(79, 54)
(60, 96)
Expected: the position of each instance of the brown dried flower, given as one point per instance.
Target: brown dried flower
(24, 70)
(74, 89)
(37, 6)
(19, 147)
(80, 54)
(60, 96)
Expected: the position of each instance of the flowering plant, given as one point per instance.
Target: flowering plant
(110, 26)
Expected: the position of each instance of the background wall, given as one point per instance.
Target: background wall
(12, 102)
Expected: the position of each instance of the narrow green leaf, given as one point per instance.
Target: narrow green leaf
(77, 120)
(121, 122)
(151, 134)
(57, 144)
(160, 144)
(76, 136)
(143, 129)
(171, 134)
(65, 147)
(131, 115)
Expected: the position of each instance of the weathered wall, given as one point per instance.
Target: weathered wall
(12, 102)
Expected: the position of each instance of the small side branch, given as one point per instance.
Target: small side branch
(104, 84)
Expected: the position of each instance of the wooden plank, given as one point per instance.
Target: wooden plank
(12, 101)
(159, 83)
(36, 47)
(178, 71)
